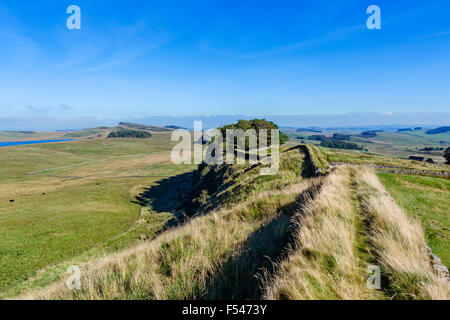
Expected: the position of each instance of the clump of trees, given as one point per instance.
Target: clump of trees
(124, 133)
(339, 144)
(432, 149)
(447, 155)
(337, 141)
(370, 134)
(257, 125)
(175, 127)
(338, 136)
(317, 137)
(438, 130)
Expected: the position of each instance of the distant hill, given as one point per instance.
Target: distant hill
(144, 127)
(86, 132)
(438, 130)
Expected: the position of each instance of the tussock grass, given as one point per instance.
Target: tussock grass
(178, 264)
(324, 263)
(398, 242)
(190, 262)
(332, 248)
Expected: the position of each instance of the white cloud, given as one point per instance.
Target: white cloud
(110, 45)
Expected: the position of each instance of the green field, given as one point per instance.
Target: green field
(428, 199)
(406, 143)
(360, 157)
(72, 203)
(393, 144)
(80, 201)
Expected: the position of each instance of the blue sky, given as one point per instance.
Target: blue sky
(136, 59)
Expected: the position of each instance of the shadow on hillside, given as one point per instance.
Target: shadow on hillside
(308, 167)
(166, 195)
(241, 276)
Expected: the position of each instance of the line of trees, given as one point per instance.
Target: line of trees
(339, 144)
(124, 133)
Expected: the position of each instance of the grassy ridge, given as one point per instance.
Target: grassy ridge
(333, 248)
(324, 263)
(197, 260)
(317, 157)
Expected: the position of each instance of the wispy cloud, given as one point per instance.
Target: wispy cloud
(301, 45)
(109, 46)
(430, 36)
(15, 44)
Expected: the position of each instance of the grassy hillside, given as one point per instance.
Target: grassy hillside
(202, 258)
(141, 227)
(322, 233)
(357, 157)
(87, 133)
(392, 144)
(79, 201)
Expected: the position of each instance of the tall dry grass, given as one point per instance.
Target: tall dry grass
(324, 263)
(181, 262)
(399, 243)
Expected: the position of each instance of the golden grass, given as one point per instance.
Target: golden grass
(218, 255)
(399, 243)
(179, 263)
(324, 263)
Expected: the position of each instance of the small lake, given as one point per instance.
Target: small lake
(19, 143)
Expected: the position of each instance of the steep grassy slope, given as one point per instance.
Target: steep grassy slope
(203, 257)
